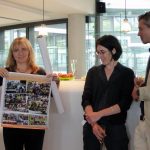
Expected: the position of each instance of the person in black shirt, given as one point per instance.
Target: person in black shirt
(21, 59)
(106, 98)
(142, 91)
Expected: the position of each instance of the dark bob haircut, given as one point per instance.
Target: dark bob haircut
(110, 42)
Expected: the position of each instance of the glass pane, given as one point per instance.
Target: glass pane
(8, 36)
(90, 42)
(56, 45)
(135, 54)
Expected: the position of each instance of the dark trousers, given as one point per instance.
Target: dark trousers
(16, 139)
(116, 138)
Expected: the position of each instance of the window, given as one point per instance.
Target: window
(56, 44)
(135, 54)
(90, 42)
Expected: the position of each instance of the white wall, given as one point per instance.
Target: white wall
(65, 130)
(76, 43)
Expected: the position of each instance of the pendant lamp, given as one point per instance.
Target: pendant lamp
(43, 30)
(126, 27)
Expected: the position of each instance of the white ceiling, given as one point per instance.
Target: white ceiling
(32, 10)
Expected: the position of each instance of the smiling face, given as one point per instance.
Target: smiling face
(144, 32)
(104, 54)
(20, 54)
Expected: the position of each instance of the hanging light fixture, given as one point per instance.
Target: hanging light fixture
(126, 27)
(43, 30)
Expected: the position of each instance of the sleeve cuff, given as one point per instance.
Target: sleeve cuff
(144, 93)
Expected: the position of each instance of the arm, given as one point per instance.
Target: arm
(0, 94)
(98, 131)
(56, 79)
(141, 92)
(54, 76)
(94, 116)
(126, 92)
(3, 72)
(115, 109)
(122, 105)
(138, 82)
(87, 93)
(144, 93)
(88, 109)
(135, 93)
(87, 96)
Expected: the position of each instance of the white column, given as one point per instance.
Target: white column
(76, 43)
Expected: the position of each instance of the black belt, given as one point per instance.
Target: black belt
(142, 118)
(142, 111)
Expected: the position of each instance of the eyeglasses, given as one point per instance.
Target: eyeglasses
(100, 52)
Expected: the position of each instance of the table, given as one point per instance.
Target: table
(65, 130)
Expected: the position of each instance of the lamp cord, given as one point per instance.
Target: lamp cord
(43, 11)
(125, 11)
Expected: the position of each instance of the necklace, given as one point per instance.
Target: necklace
(22, 71)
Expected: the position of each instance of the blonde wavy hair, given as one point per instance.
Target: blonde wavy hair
(11, 63)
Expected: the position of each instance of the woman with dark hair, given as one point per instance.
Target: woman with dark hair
(106, 98)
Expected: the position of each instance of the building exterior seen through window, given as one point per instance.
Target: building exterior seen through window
(56, 45)
(135, 54)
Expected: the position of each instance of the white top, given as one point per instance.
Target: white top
(145, 96)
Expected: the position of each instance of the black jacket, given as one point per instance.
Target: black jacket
(101, 93)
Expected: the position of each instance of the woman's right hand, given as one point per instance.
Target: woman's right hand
(99, 132)
(3, 72)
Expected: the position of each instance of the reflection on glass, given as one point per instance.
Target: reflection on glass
(73, 66)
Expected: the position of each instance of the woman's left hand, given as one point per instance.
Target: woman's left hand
(92, 117)
(53, 77)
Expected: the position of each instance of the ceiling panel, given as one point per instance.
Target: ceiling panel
(31, 10)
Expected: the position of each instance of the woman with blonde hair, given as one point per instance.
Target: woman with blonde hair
(21, 59)
(12, 63)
